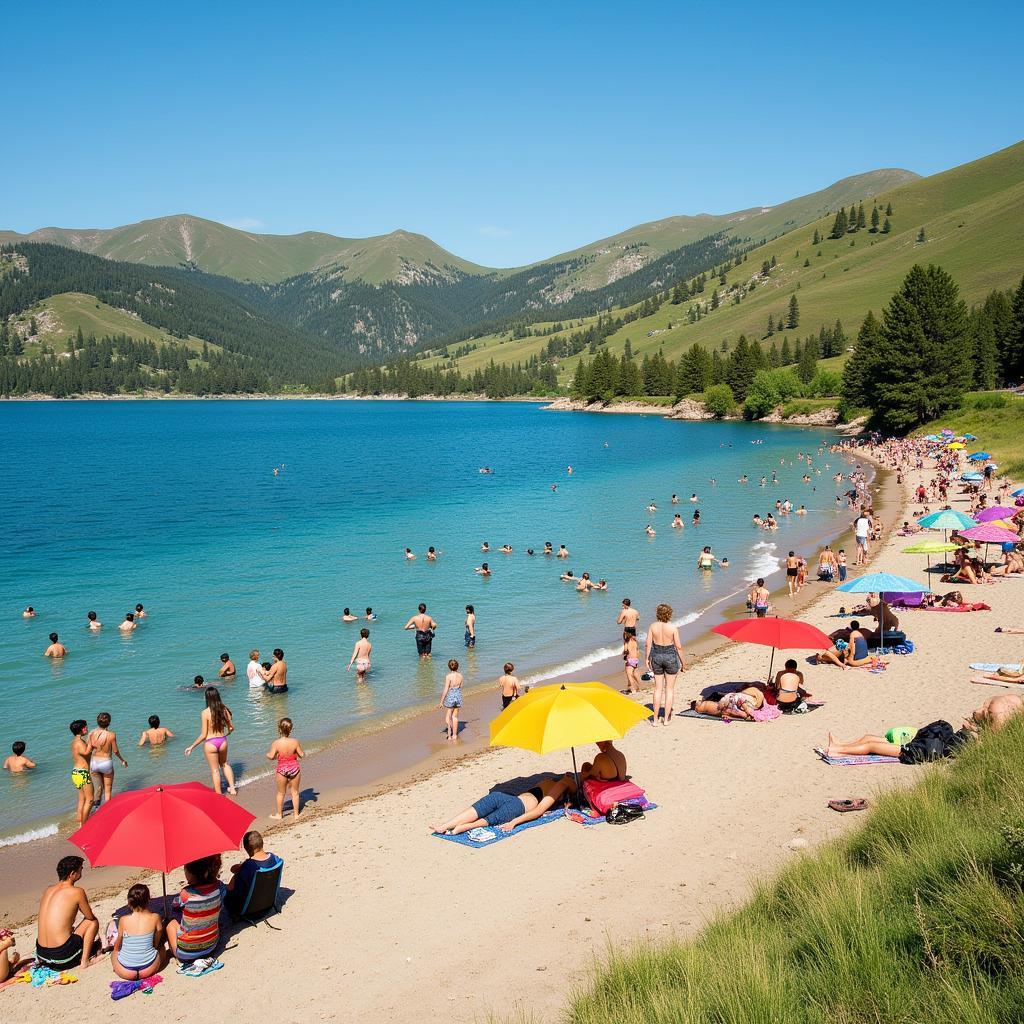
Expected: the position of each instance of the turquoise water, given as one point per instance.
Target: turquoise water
(175, 505)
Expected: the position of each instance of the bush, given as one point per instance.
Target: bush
(719, 400)
(825, 384)
(990, 400)
(769, 389)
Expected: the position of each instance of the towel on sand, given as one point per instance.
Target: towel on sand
(690, 713)
(978, 606)
(588, 816)
(992, 666)
(489, 836)
(856, 758)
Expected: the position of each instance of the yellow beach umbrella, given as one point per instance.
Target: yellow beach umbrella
(566, 715)
(956, 446)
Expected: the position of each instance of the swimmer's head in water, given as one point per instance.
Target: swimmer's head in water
(138, 607)
(198, 681)
(225, 656)
(284, 726)
(364, 633)
(53, 638)
(453, 665)
(509, 668)
(345, 611)
(369, 611)
(278, 653)
(663, 612)
(78, 726)
(154, 721)
(103, 719)
(91, 616)
(423, 607)
(129, 617)
(18, 748)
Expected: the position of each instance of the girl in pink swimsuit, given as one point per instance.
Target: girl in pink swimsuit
(287, 750)
(216, 726)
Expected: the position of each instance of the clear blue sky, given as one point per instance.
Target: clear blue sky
(507, 134)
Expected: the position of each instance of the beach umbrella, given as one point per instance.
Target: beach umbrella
(776, 633)
(566, 715)
(971, 477)
(946, 519)
(970, 437)
(978, 456)
(990, 533)
(881, 583)
(1019, 493)
(956, 446)
(162, 827)
(929, 548)
(986, 515)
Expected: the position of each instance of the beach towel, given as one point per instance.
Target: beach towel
(478, 838)
(588, 816)
(690, 713)
(992, 666)
(977, 606)
(1008, 684)
(853, 759)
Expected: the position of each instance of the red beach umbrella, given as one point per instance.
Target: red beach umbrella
(776, 633)
(162, 827)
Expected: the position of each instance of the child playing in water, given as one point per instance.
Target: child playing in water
(18, 762)
(156, 734)
(286, 750)
(451, 699)
(508, 685)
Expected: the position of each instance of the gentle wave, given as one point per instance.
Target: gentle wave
(30, 836)
(766, 561)
(598, 655)
(250, 779)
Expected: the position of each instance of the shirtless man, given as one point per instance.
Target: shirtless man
(94, 623)
(56, 648)
(470, 637)
(347, 616)
(103, 742)
(628, 617)
(425, 627)
(563, 551)
(409, 556)
(277, 677)
(60, 945)
(481, 570)
(156, 735)
(361, 655)
(18, 762)
(81, 778)
(227, 667)
(129, 623)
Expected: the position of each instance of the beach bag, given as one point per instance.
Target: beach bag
(602, 794)
(623, 814)
(933, 742)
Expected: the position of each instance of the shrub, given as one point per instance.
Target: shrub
(719, 400)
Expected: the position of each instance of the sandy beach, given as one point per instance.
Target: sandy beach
(385, 922)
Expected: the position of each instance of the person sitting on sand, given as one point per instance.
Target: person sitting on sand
(243, 873)
(735, 704)
(227, 667)
(608, 766)
(788, 689)
(9, 957)
(196, 934)
(140, 949)
(853, 652)
(60, 943)
(156, 735)
(56, 648)
(18, 762)
(507, 810)
(993, 714)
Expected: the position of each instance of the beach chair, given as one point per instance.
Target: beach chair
(261, 899)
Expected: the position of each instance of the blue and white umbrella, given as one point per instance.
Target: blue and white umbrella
(1019, 493)
(882, 583)
(971, 477)
(978, 456)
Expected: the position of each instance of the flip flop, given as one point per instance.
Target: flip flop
(854, 804)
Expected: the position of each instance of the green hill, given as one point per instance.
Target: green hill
(973, 218)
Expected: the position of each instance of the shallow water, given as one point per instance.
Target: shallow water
(175, 505)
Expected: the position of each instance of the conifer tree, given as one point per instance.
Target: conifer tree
(817, 238)
(771, 326)
(874, 220)
(774, 361)
(886, 227)
(888, 210)
(808, 365)
(839, 224)
(1013, 346)
(984, 350)
(860, 366)
(785, 355)
(715, 301)
(861, 221)
(794, 313)
(921, 235)
(838, 339)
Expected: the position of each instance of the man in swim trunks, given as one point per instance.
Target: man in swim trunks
(425, 627)
(628, 618)
(81, 778)
(361, 655)
(60, 945)
(56, 648)
(277, 677)
(470, 637)
(103, 742)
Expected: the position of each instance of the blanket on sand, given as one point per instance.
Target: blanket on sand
(853, 759)
(478, 838)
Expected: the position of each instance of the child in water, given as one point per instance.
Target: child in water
(451, 699)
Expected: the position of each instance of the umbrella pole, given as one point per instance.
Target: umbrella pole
(163, 878)
(576, 775)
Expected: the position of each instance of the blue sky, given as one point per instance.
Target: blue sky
(507, 134)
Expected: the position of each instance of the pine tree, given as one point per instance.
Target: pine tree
(794, 313)
(1013, 346)
(920, 235)
(838, 339)
(984, 350)
(886, 227)
(858, 369)
(817, 238)
(774, 361)
(839, 224)
(741, 367)
(766, 268)
(888, 210)
(771, 326)
(631, 381)
(852, 219)
(774, 261)
(874, 220)
(861, 221)
(825, 343)
(717, 368)
(17, 346)
(999, 309)
(808, 365)
(807, 262)
(926, 364)
(715, 301)
(785, 355)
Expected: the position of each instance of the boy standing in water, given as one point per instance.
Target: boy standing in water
(18, 762)
(156, 734)
(361, 655)
(81, 778)
(508, 685)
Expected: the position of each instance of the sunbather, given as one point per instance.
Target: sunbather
(505, 810)
(849, 648)
(1003, 674)
(993, 714)
(736, 704)
(788, 689)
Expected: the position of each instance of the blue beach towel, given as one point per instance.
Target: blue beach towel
(477, 839)
(855, 759)
(992, 666)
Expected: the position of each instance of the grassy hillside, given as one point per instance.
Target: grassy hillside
(918, 916)
(973, 218)
(246, 256)
(995, 416)
(60, 317)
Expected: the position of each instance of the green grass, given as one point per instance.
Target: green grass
(60, 316)
(999, 430)
(807, 406)
(916, 917)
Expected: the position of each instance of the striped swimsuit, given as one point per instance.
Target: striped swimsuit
(200, 920)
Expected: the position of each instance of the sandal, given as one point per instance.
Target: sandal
(853, 804)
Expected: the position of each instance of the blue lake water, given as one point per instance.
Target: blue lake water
(175, 505)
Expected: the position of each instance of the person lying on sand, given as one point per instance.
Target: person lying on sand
(993, 714)
(1004, 674)
(737, 704)
(505, 810)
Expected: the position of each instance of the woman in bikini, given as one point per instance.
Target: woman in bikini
(216, 726)
(286, 751)
(788, 689)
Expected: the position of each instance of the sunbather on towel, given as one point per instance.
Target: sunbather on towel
(1004, 674)
(993, 714)
(849, 647)
(738, 704)
(505, 810)
(788, 689)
